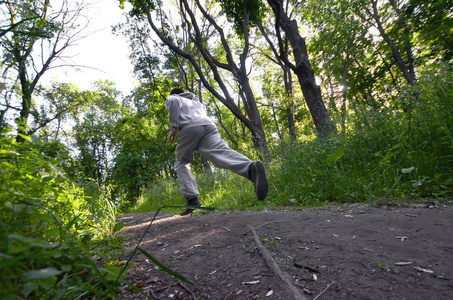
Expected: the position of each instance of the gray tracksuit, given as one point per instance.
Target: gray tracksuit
(198, 132)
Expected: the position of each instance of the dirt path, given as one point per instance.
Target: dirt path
(354, 252)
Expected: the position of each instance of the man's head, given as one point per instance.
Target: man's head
(176, 91)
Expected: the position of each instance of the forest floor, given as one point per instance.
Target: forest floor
(354, 251)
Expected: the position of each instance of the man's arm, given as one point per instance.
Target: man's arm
(173, 105)
(172, 135)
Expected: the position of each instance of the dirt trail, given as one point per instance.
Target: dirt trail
(351, 252)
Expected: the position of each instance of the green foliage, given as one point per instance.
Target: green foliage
(394, 153)
(431, 20)
(237, 10)
(48, 229)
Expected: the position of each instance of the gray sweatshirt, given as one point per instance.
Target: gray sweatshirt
(186, 111)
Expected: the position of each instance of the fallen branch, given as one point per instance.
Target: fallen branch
(272, 264)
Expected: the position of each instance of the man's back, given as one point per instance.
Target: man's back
(185, 111)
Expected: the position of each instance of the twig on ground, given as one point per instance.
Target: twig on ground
(328, 286)
(272, 264)
(188, 290)
(306, 267)
(152, 294)
(267, 223)
(165, 288)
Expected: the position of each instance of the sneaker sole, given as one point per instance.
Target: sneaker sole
(188, 211)
(261, 185)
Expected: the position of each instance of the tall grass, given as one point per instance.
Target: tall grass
(221, 189)
(403, 151)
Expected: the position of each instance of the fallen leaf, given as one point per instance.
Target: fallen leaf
(307, 291)
(403, 263)
(251, 282)
(269, 293)
(153, 280)
(423, 270)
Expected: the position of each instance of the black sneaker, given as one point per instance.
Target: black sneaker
(259, 179)
(193, 202)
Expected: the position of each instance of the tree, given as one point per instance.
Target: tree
(401, 45)
(301, 66)
(94, 130)
(338, 46)
(38, 33)
(214, 67)
(62, 102)
(141, 143)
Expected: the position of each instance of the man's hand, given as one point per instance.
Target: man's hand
(172, 135)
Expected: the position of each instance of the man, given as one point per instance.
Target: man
(197, 132)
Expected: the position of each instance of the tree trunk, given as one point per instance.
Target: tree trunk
(303, 69)
(26, 100)
(290, 105)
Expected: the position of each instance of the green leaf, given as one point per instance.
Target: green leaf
(118, 227)
(26, 137)
(47, 179)
(407, 170)
(334, 157)
(28, 288)
(111, 272)
(14, 207)
(41, 274)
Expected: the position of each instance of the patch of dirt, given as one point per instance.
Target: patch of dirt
(353, 251)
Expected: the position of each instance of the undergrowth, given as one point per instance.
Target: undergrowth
(55, 242)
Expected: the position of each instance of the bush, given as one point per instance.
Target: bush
(49, 229)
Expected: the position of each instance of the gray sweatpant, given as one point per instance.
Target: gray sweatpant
(207, 141)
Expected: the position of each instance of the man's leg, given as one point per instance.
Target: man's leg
(215, 149)
(188, 141)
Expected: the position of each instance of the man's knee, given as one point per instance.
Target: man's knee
(182, 165)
